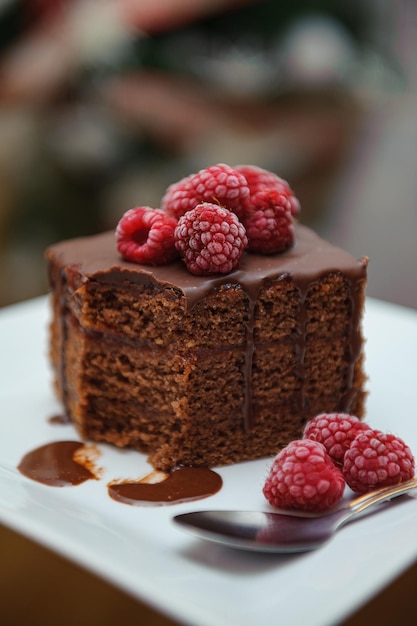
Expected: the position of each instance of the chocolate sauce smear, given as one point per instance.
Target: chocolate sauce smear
(183, 484)
(54, 464)
(68, 463)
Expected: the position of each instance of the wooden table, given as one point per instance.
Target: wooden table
(39, 588)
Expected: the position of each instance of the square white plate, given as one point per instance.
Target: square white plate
(141, 551)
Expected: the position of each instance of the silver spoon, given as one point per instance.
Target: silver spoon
(275, 532)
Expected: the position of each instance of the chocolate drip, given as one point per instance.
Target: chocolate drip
(63, 317)
(300, 344)
(247, 366)
(354, 344)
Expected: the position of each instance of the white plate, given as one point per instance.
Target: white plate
(142, 552)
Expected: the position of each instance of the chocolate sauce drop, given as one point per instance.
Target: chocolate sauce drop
(183, 484)
(59, 419)
(54, 464)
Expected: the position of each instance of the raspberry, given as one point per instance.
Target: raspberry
(145, 235)
(210, 239)
(259, 179)
(219, 184)
(377, 459)
(335, 431)
(269, 223)
(304, 477)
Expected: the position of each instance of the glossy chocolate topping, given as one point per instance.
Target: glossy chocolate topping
(310, 257)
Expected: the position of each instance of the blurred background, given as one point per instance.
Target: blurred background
(103, 103)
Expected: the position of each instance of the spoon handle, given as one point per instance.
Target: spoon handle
(362, 503)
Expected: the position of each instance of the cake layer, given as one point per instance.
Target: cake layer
(210, 441)
(142, 313)
(156, 378)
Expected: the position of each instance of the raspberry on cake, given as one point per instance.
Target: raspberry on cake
(210, 239)
(219, 184)
(144, 235)
(259, 179)
(206, 370)
(268, 222)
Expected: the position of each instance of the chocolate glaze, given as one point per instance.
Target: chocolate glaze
(96, 258)
(310, 257)
(54, 464)
(183, 484)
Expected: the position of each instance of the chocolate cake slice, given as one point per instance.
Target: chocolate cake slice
(205, 371)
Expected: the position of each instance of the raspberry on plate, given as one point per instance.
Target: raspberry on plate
(304, 477)
(268, 222)
(145, 235)
(335, 431)
(259, 179)
(376, 459)
(219, 184)
(210, 239)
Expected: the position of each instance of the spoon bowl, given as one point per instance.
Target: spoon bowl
(281, 533)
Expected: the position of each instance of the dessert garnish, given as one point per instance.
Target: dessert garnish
(145, 235)
(210, 239)
(303, 477)
(336, 450)
(259, 179)
(220, 184)
(269, 223)
(335, 431)
(376, 459)
(210, 218)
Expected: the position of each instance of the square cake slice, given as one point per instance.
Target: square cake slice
(205, 371)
